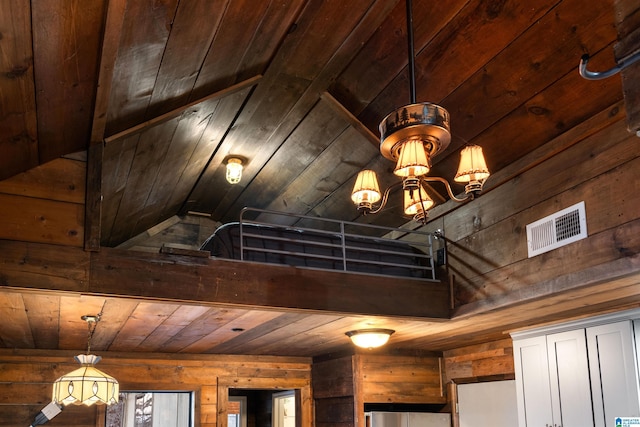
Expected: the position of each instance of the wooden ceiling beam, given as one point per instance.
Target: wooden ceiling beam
(353, 120)
(217, 282)
(628, 26)
(111, 40)
(178, 111)
(258, 285)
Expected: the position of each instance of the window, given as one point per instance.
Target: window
(237, 411)
(151, 409)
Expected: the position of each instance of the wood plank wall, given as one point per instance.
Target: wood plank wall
(334, 392)
(491, 361)
(627, 15)
(26, 378)
(45, 204)
(595, 162)
(343, 386)
(399, 379)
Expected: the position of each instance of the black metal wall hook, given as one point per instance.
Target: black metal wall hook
(598, 75)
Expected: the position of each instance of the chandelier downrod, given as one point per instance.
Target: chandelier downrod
(411, 136)
(412, 61)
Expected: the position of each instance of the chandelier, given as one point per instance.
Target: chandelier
(86, 385)
(412, 136)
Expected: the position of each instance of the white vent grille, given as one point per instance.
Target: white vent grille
(559, 229)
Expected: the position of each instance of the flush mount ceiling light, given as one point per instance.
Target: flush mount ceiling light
(86, 385)
(234, 170)
(370, 338)
(411, 136)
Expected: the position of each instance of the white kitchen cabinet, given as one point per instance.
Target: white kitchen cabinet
(533, 390)
(552, 380)
(614, 379)
(569, 379)
(576, 376)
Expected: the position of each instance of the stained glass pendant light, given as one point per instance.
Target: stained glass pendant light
(86, 385)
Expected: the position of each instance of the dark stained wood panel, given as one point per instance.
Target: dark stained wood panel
(627, 19)
(210, 147)
(173, 165)
(117, 160)
(312, 136)
(505, 89)
(245, 43)
(451, 57)
(62, 180)
(338, 163)
(560, 178)
(544, 117)
(151, 147)
(384, 57)
(67, 36)
(192, 30)
(538, 51)
(18, 121)
(143, 39)
(276, 287)
(286, 84)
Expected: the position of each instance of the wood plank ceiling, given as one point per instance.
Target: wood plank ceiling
(46, 321)
(183, 85)
(171, 88)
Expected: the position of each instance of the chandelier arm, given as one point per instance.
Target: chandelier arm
(385, 198)
(420, 190)
(468, 196)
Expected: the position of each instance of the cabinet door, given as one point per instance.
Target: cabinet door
(532, 382)
(569, 379)
(614, 378)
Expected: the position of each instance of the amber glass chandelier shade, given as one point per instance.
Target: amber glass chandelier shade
(416, 200)
(413, 159)
(86, 385)
(366, 188)
(472, 167)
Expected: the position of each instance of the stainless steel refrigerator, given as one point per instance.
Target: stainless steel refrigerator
(407, 419)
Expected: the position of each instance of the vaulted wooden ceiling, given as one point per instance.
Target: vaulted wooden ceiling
(297, 88)
(171, 88)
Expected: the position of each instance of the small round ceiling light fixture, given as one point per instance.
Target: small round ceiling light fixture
(234, 170)
(370, 338)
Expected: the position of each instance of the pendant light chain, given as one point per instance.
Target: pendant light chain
(92, 323)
